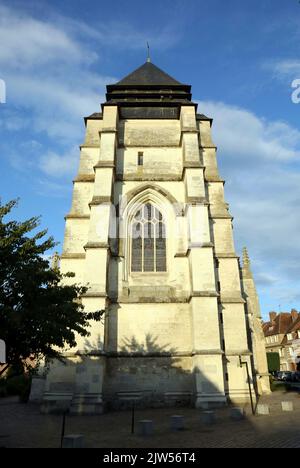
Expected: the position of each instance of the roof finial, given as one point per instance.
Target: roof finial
(148, 52)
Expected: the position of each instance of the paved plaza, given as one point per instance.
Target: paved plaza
(21, 425)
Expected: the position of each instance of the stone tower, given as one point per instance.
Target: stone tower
(150, 233)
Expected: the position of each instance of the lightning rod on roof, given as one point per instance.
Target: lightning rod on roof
(148, 53)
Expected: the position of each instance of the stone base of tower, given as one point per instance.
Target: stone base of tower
(147, 380)
(87, 403)
(94, 385)
(75, 386)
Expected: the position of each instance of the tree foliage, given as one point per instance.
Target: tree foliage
(38, 312)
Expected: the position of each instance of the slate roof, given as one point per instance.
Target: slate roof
(149, 86)
(149, 93)
(148, 74)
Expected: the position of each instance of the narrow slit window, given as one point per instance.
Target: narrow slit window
(140, 158)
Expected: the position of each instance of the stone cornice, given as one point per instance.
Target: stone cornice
(206, 352)
(232, 299)
(84, 178)
(96, 245)
(236, 352)
(149, 300)
(149, 177)
(147, 354)
(99, 200)
(200, 245)
(197, 200)
(95, 294)
(181, 254)
(104, 164)
(67, 255)
(89, 146)
(226, 255)
(122, 145)
(215, 179)
(204, 294)
(220, 216)
(193, 165)
(108, 130)
(208, 147)
(77, 216)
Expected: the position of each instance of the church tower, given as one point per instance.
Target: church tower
(150, 233)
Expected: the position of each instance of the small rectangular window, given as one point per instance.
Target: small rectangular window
(140, 158)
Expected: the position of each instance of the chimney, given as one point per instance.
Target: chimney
(272, 316)
(294, 314)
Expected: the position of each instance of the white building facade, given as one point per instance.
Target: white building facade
(150, 233)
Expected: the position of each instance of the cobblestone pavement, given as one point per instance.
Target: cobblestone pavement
(21, 425)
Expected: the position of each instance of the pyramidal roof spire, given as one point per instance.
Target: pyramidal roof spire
(148, 74)
(149, 87)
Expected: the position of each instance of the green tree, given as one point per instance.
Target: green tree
(38, 313)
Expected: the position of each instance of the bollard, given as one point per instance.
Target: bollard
(177, 423)
(73, 441)
(145, 427)
(208, 417)
(263, 409)
(287, 406)
(237, 414)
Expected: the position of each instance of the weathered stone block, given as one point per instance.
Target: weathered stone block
(237, 414)
(263, 409)
(287, 406)
(37, 390)
(73, 441)
(177, 422)
(208, 418)
(145, 427)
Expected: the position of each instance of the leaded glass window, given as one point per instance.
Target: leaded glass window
(148, 240)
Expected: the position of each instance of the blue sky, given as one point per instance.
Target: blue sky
(240, 57)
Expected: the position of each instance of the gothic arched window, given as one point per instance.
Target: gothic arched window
(148, 240)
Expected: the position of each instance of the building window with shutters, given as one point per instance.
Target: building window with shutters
(148, 240)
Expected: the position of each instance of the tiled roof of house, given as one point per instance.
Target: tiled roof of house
(295, 326)
(280, 325)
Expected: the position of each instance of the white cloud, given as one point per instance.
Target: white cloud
(259, 160)
(49, 69)
(49, 189)
(284, 68)
(243, 134)
(28, 42)
(58, 165)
